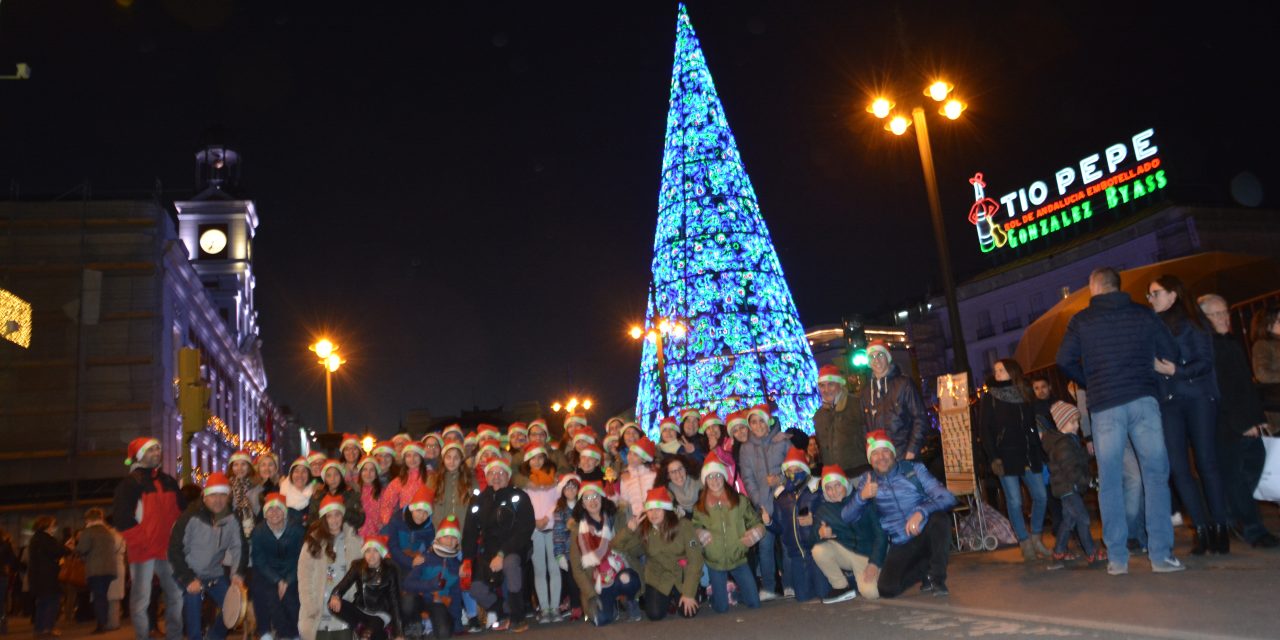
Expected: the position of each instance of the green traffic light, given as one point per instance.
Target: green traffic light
(860, 358)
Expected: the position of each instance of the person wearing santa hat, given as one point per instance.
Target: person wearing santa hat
(350, 452)
(204, 540)
(375, 585)
(329, 548)
(858, 546)
(495, 544)
(298, 488)
(334, 483)
(891, 403)
(147, 504)
(791, 521)
(639, 476)
(274, 547)
(410, 534)
(727, 527)
(600, 572)
(538, 479)
(437, 580)
(673, 564)
(913, 509)
(387, 456)
(759, 463)
(840, 424)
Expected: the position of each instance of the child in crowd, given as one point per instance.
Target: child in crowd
(568, 490)
(374, 607)
(1069, 479)
(436, 580)
(792, 521)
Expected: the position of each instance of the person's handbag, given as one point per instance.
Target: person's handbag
(1268, 488)
(72, 572)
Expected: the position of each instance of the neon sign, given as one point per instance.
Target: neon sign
(1128, 171)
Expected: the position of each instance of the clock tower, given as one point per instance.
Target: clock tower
(217, 228)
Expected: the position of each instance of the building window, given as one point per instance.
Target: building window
(1037, 306)
(985, 329)
(1011, 318)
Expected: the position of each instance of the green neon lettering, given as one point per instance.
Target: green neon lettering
(1075, 213)
(1112, 199)
(1086, 210)
(1044, 227)
(1053, 224)
(1151, 183)
(1160, 181)
(1033, 232)
(1022, 235)
(1124, 192)
(1138, 191)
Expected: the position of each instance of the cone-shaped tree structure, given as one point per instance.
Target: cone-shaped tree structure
(716, 272)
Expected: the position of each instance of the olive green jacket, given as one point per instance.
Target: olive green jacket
(727, 526)
(662, 569)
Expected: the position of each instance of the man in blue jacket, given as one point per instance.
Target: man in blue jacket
(908, 498)
(1111, 348)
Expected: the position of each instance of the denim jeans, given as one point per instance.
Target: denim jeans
(140, 598)
(746, 587)
(216, 589)
(1134, 515)
(1075, 517)
(1137, 422)
(1194, 422)
(609, 595)
(45, 614)
(768, 562)
(1013, 501)
(272, 612)
(807, 580)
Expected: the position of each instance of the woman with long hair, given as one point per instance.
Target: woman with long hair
(350, 453)
(298, 488)
(538, 479)
(452, 485)
(567, 490)
(727, 527)
(639, 476)
(266, 480)
(599, 570)
(370, 486)
(329, 548)
(240, 471)
(1007, 424)
(411, 475)
(334, 483)
(1189, 414)
(730, 448)
(673, 554)
(676, 473)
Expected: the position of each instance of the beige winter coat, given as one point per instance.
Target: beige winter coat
(313, 596)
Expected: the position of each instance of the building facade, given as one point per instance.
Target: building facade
(117, 291)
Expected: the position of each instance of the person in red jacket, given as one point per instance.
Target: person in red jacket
(147, 504)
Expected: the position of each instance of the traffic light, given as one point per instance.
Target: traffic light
(193, 393)
(855, 339)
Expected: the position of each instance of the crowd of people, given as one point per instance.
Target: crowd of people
(462, 532)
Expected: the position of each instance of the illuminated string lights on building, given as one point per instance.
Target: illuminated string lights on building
(220, 427)
(714, 266)
(15, 319)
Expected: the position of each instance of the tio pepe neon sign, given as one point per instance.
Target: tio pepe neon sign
(1123, 172)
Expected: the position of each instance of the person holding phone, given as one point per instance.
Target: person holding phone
(791, 520)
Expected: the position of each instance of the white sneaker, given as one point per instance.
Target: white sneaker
(1176, 519)
(491, 620)
(788, 592)
(767, 595)
(266, 636)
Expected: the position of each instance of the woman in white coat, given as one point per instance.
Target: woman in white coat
(327, 552)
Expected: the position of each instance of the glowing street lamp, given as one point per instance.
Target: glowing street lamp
(882, 108)
(367, 444)
(326, 351)
(573, 403)
(658, 333)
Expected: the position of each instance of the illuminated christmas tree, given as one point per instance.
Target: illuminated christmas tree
(715, 271)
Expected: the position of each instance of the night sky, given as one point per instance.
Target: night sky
(464, 194)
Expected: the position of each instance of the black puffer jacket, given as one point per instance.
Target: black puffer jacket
(1110, 349)
(377, 590)
(897, 409)
(1007, 423)
(499, 521)
(1194, 377)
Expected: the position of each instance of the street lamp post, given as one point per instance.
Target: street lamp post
(662, 327)
(326, 351)
(882, 108)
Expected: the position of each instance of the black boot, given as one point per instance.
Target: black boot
(1201, 543)
(1221, 539)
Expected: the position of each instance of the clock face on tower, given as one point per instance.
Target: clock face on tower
(213, 241)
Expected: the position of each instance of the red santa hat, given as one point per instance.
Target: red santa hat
(590, 487)
(138, 447)
(330, 504)
(454, 446)
(384, 448)
(350, 440)
(708, 420)
(712, 466)
(585, 433)
(240, 456)
(300, 462)
(517, 427)
(592, 450)
(659, 498)
(878, 439)
(217, 483)
(540, 425)
(830, 373)
(876, 346)
(761, 410)
(422, 499)
(690, 412)
(315, 456)
(669, 424)
(274, 500)
(449, 527)
(737, 420)
(498, 463)
(795, 460)
(645, 448)
(375, 543)
(452, 431)
(332, 464)
(534, 449)
(833, 473)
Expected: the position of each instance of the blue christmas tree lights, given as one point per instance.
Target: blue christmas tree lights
(715, 269)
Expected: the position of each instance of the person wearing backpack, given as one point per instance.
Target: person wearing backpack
(912, 506)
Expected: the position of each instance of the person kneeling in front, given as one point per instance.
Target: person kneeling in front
(857, 546)
(908, 498)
